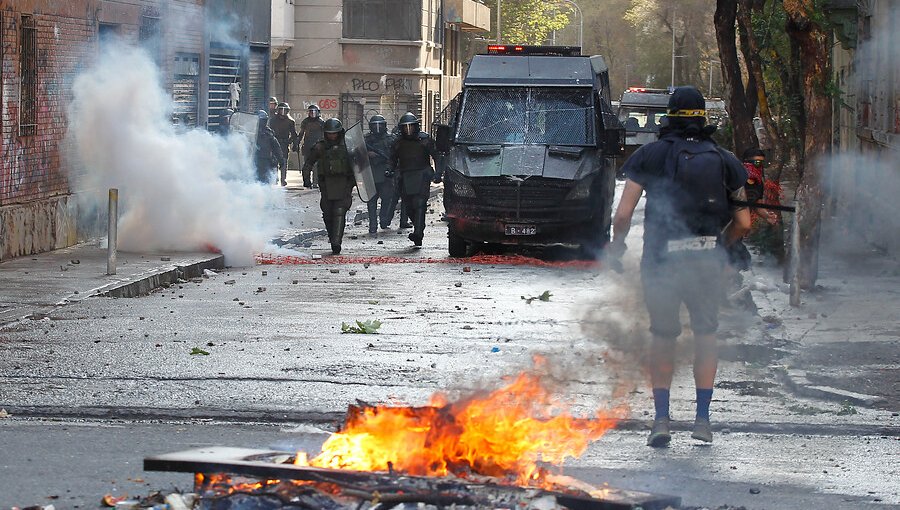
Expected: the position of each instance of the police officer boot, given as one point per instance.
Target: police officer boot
(373, 215)
(404, 215)
(328, 219)
(339, 222)
(418, 217)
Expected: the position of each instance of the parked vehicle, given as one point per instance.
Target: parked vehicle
(529, 148)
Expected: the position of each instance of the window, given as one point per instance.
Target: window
(28, 83)
(150, 33)
(451, 52)
(399, 20)
(516, 115)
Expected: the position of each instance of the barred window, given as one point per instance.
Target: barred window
(383, 19)
(28, 82)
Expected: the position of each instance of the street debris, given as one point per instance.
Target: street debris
(457, 284)
(166, 259)
(335, 271)
(369, 327)
(4, 414)
(545, 296)
(209, 273)
(198, 351)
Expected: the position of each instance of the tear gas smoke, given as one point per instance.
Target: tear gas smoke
(178, 190)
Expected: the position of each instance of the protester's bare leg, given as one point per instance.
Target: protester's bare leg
(706, 360)
(662, 361)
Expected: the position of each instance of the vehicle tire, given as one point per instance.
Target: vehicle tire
(456, 245)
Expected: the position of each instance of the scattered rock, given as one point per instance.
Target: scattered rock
(335, 271)
(4, 414)
(229, 282)
(467, 269)
(295, 282)
(352, 273)
(264, 273)
(457, 284)
(380, 242)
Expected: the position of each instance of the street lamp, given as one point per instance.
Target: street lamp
(580, 21)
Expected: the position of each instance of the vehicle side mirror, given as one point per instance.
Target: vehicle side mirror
(442, 137)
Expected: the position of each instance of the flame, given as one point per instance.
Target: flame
(505, 433)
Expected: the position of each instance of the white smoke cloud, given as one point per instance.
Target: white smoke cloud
(177, 190)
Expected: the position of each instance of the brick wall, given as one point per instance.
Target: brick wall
(31, 167)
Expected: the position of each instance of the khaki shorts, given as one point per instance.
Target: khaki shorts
(691, 277)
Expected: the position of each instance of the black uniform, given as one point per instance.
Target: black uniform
(336, 182)
(411, 159)
(311, 131)
(379, 147)
(268, 153)
(286, 133)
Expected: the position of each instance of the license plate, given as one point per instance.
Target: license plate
(521, 230)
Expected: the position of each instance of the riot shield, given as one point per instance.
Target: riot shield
(246, 124)
(359, 159)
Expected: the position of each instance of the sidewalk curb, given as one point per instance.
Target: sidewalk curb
(155, 279)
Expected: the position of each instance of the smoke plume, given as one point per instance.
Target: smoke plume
(178, 190)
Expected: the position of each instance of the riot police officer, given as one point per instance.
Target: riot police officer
(378, 143)
(286, 133)
(311, 131)
(336, 180)
(268, 152)
(411, 158)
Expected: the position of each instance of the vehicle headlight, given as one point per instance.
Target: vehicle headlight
(462, 188)
(582, 190)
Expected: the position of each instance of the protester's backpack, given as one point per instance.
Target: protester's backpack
(699, 198)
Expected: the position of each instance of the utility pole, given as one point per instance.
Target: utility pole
(498, 22)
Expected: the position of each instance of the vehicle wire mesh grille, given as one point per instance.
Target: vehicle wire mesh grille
(517, 115)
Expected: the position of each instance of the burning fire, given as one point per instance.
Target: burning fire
(503, 434)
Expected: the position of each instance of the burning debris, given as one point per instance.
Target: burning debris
(506, 434)
(492, 449)
(239, 479)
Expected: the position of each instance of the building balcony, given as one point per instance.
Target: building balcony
(469, 15)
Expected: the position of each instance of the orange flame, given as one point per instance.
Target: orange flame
(504, 433)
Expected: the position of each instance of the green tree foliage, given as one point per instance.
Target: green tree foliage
(532, 21)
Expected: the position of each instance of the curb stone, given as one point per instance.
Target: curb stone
(146, 284)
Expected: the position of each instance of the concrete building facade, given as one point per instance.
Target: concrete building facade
(356, 58)
(865, 176)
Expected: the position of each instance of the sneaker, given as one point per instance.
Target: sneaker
(702, 430)
(659, 434)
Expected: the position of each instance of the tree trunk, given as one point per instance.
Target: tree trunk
(812, 42)
(751, 51)
(740, 109)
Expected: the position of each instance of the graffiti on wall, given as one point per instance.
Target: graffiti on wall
(385, 84)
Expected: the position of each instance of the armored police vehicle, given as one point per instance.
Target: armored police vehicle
(529, 145)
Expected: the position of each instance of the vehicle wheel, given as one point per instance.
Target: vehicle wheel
(456, 245)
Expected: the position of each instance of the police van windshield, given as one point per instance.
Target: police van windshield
(640, 119)
(522, 115)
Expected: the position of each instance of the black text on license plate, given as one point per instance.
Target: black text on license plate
(521, 230)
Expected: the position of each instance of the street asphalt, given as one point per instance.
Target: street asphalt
(92, 384)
